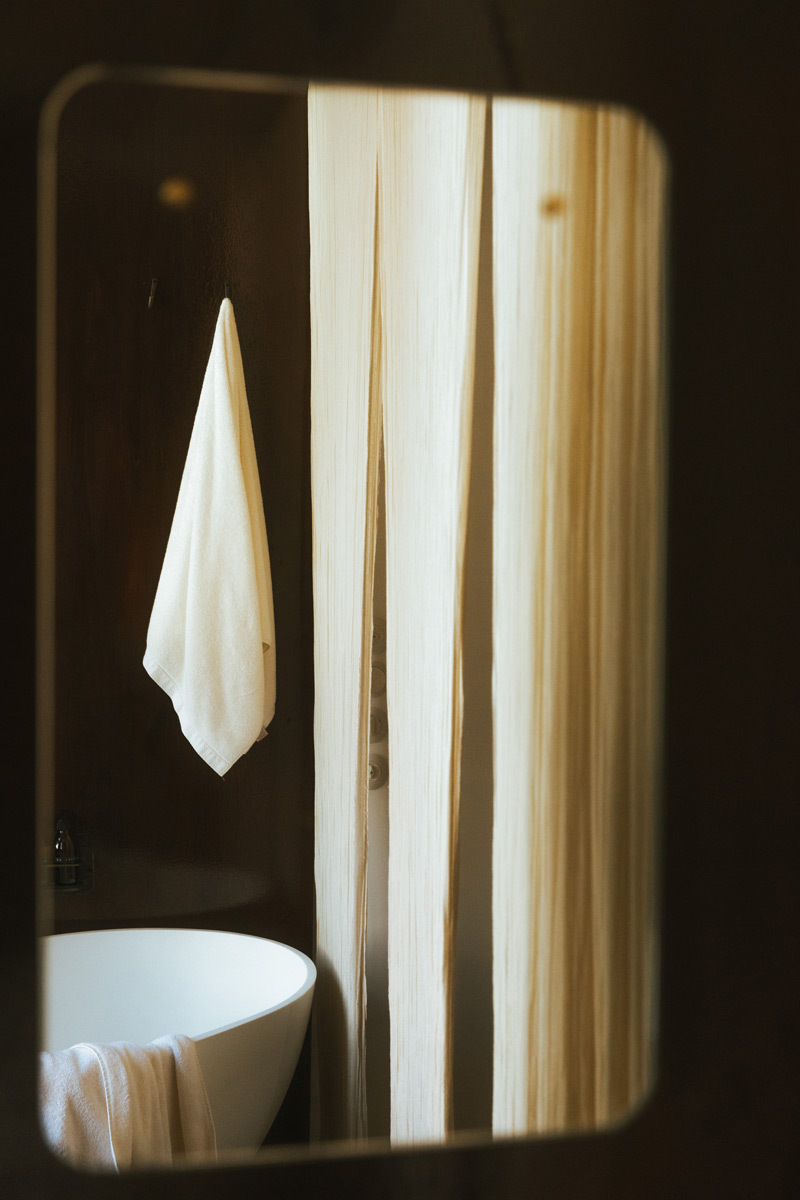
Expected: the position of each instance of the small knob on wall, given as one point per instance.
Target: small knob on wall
(378, 635)
(378, 774)
(378, 679)
(378, 725)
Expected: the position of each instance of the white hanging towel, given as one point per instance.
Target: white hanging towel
(121, 1105)
(211, 639)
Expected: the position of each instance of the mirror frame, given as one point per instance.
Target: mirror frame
(670, 1148)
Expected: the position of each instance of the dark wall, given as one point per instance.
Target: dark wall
(170, 838)
(718, 79)
(170, 842)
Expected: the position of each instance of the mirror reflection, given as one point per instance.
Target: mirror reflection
(351, 468)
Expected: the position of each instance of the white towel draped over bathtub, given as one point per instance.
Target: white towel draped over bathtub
(211, 639)
(121, 1105)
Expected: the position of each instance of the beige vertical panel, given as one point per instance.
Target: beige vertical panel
(430, 162)
(345, 425)
(577, 610)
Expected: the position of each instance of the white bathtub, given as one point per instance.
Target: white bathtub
(245, 1002)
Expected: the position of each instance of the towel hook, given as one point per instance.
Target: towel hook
(152, 298)
(227, 290)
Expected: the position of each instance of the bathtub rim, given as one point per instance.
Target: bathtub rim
(308, 984)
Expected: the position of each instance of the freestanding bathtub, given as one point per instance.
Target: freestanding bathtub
(245, 1002)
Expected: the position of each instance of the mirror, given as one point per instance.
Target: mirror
(160, 191)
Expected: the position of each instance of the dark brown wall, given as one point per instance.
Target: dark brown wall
(171, 842)
(718, 77)
(170, 838)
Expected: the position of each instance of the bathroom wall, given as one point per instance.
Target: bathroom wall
(172, 843)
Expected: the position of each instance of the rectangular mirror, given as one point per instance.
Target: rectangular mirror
(424, 906)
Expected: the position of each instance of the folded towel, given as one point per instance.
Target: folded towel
(122, 1105)
(211, 638)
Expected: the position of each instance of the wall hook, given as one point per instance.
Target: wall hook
(227, 290)
(152, 299)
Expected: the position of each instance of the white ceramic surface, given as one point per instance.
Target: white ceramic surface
(245, 1001)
